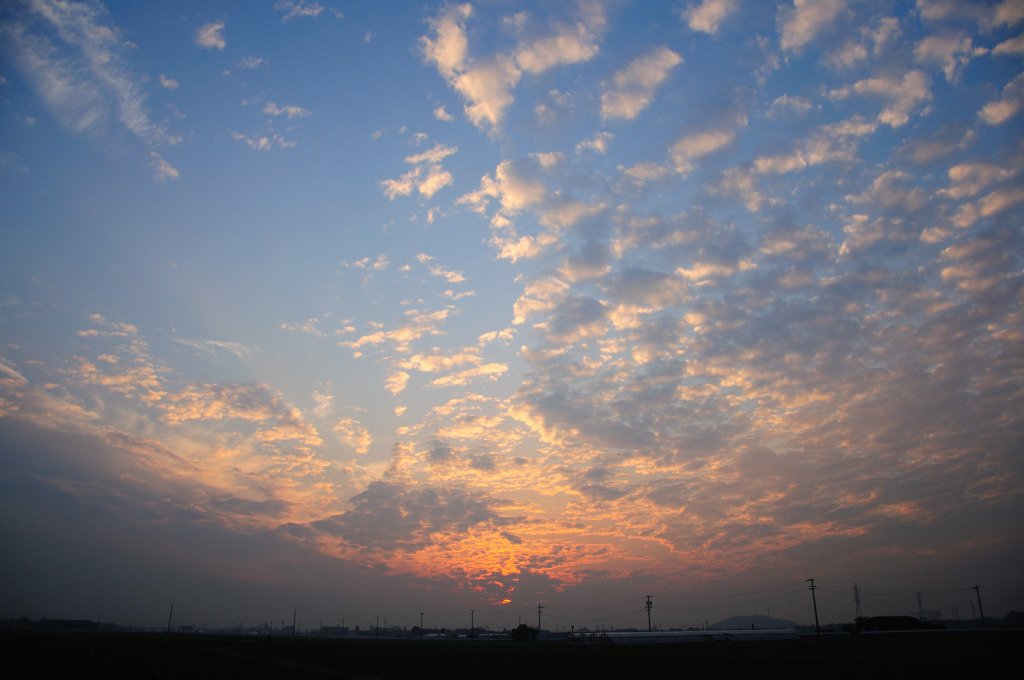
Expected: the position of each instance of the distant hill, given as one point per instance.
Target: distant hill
(756, 621)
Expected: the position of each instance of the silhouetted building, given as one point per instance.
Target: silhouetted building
(333, 631)
(524, 633)
(891, 623)
(68, 625)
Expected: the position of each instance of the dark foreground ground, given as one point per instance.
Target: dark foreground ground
(33, 654)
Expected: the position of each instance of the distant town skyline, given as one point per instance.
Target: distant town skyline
(374, 309)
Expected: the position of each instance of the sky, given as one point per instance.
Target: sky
(364, 310)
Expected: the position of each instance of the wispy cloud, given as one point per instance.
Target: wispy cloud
(264, 142)
(291, 111)
(79, 66)
(303, 8)
(211, 36)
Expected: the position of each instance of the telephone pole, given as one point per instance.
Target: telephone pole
(648, 606)
(856, 601)
(170, 617)
(421, 625)
(814, 600)
(472, 614)
(977, 591)
(539, 607)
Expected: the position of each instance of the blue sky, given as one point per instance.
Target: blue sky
(380, 308)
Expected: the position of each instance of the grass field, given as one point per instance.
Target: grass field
(130, 655)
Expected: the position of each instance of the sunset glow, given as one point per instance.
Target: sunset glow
(370, 309)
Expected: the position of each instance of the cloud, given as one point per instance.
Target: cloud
(569, 45)
(291, 111)
(392, 516)
(892, 189)
(264, 142)
(691, 147)
(168, 83)
(797, 104)
(487, 88)
(1005, 108)
(310, 327)
(491, 371)
(805, 20)
(302, 8)
(243, 352)
(451, 276)
(486, 82)
(211, 36)
(250, 63)
(741, 182)
(598, 143)
(970, 179)
(632, 89)
(1011, 46)
(380, 263)
(162, 170)
(516, 185)
(449, 50)
(354, 434)
(709, 15)
(396, 382)
(644, 172)
(987, 15)
(427, 178)
(902, 95)
(951, 52)
(416, 325)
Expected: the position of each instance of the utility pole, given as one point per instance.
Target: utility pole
(170, 618)
(814, 600)
(648, 605)
(295, 613)
(472, 614)
(539, 607)
(977, 591)
(856, 601)
(421, 625)
(376, 628)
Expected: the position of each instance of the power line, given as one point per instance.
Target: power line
(717, 597)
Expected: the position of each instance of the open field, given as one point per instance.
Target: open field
(130, 655)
